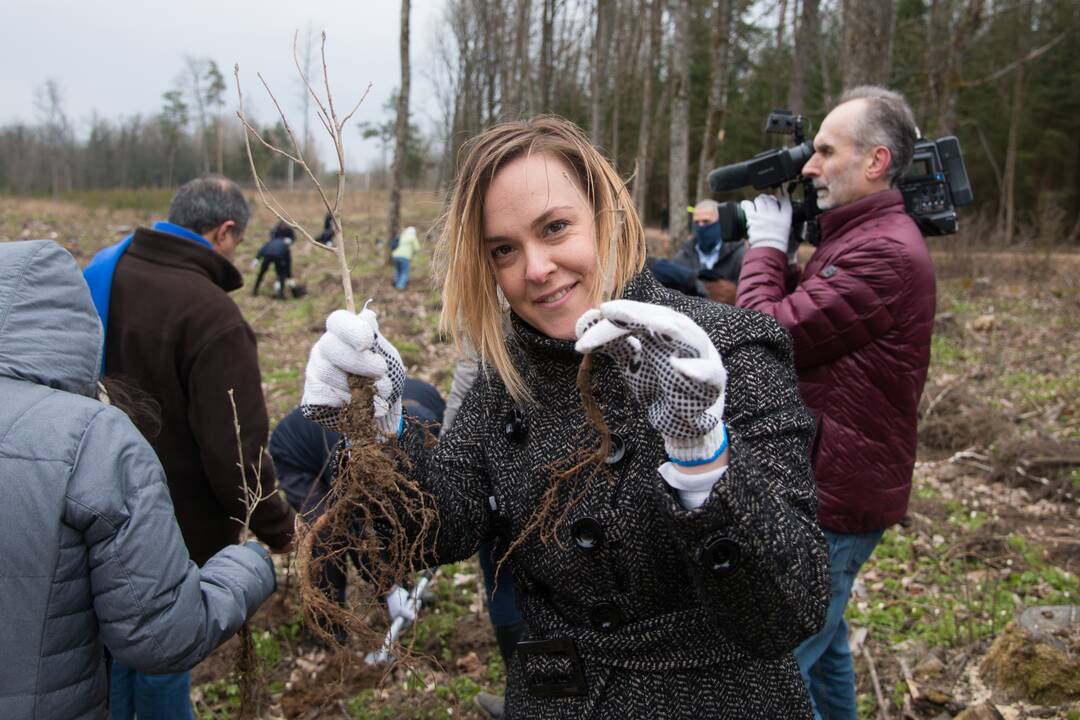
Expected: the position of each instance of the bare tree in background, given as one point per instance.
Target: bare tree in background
(193, 81)
(305, 105)
(679, 81)
(401, 130)
(651, 53)
(725, 13)
(868, 37)
(215, 101)
(1007, 213)
(951, 25)
(547, 42)
(57, 134)
(172, 121)
(601, 51)
(807, 39)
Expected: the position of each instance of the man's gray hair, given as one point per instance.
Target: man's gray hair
(707, 204)
(202, 204)
(888, 121)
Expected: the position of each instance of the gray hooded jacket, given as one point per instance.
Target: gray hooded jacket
(90, 553)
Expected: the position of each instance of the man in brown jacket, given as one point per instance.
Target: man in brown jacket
(173, 330)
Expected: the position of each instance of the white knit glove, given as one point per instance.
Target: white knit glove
(768, 221)
(672, 368)
(398, 605)
(352, 345)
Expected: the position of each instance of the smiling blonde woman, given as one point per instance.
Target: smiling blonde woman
(674, 577)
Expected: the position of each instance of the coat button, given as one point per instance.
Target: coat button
(606, 616)
(721, 555)
(514, 426)
(587, 533)
(617, 450)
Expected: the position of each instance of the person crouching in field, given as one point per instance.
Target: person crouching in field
(91, 556)
(276, 252)
(676, 574)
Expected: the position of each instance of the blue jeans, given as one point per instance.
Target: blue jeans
(149, 697)
(401, 272)
(502, 606)
(825, 659)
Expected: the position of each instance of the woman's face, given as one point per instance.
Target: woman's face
(540, 233)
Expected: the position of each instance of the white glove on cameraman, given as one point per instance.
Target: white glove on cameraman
(398, 604)
(674, 371)
(352, 345)
(768, 222)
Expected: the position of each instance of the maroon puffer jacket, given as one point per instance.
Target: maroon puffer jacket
(861, 316)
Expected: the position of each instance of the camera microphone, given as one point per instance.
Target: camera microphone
(768, 169)
(730, 177)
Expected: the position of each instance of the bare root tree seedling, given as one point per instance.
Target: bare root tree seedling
(327, 114)
(373, 513)
(251, 497)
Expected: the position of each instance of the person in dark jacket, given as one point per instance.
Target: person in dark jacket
(677, 583)
(326, 237)
(712, 264)
(276, 252)
(90, 553)
(173, 331)
(861, 314)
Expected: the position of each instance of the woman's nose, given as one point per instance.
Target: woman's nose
(538, 264)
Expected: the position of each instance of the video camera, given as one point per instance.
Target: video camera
(934, 186)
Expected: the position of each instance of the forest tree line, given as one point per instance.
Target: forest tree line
(669, 89)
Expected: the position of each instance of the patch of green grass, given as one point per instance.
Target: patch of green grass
(463, 689)
(947, 355)
(282, 375)
(267, 649)
(358, 707)
(410, 351)
(926, 492)
(496, 669)
(865, 706)
(1039, 387)
(963, 308)
(151, 200)
(220, 699)
(955, 604)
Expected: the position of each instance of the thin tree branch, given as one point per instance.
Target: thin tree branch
(1002, 72)
(328, 117)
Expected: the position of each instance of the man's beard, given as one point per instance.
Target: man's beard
(835, 196)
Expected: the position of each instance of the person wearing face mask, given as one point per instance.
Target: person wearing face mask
(682, 564)
(705, 265)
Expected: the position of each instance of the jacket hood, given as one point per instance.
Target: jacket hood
(50, 333)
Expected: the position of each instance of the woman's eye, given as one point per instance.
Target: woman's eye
(500, 251)
(556, 227)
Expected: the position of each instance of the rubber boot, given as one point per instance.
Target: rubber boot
(507, 636)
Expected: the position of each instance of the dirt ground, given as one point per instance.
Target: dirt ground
(993, 527)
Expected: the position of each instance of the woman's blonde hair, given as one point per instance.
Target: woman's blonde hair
(472, 309)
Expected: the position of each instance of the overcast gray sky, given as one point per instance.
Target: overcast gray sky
(117, 57)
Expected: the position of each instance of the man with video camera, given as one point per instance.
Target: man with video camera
(861, 314)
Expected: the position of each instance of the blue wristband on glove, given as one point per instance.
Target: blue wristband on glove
(705, 461)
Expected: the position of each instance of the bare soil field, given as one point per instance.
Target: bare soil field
(994, 524)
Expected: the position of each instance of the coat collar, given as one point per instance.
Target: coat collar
(164, 248)
(839, 221)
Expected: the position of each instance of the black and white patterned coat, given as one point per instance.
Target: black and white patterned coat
(671, 613)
